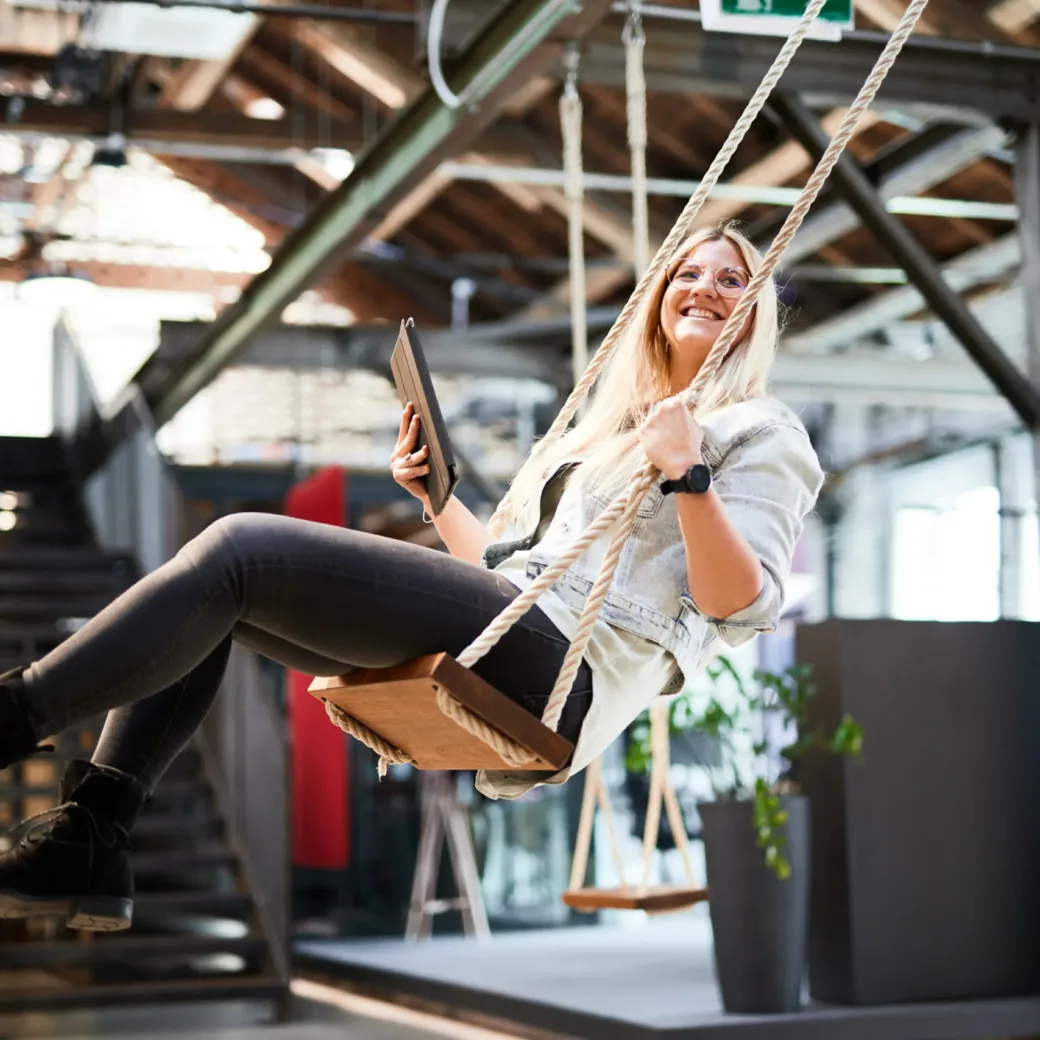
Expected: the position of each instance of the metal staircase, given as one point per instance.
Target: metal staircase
(201, 932)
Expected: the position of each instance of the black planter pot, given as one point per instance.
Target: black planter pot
(760, 923)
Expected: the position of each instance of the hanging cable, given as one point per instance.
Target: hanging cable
(434, 36)
(634, 40)
(574, 190)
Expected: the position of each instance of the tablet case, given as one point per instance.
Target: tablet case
(412, 379)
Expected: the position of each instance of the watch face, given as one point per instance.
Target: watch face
(699, 478)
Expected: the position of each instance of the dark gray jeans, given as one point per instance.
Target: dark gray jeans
(319, 599)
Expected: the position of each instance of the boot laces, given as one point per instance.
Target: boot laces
(36, 829)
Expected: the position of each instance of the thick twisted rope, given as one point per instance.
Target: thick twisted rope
(635, 96)
(511, 753)
(675, 238)
(598, 593)
(626, 504)
(628, 501)
(388, 754)
(595, 793)
(661, 789)
(552, 573)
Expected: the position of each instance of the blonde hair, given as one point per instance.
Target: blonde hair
(636, 377)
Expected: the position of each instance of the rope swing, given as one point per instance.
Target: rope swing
(654, 899)
(619, 517)
(662, 898)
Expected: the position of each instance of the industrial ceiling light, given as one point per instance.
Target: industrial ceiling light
(111, 153)
(264, 108)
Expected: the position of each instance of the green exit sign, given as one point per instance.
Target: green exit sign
(776, 17)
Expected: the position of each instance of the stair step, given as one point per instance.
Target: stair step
(178, 825)
(30, 457)
(78, 605)
(169, 790)
(116, 949)
(219, 904)
(173, 788)
(31, 581)
(177, 861)
(186, 766)
(238, 987)
(65, 560)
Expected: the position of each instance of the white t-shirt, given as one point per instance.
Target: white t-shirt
(625, 668)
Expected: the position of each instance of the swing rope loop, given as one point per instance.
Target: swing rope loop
(623, 509)
(388, 754)
(509, 751)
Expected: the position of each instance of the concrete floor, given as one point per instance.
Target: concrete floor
(233, 1021)
(612, 983)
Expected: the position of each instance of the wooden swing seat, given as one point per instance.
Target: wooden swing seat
(400, 704)
(651, 898)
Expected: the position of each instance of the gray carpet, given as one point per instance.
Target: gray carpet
(653, 982)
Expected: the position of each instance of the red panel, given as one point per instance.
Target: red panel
(320, 777)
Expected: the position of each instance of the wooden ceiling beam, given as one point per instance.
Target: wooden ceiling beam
(242, 93)
(29, 31)
(775, 169)
(368, 298)
(1013, 16)
(134, 276)
(268, 69)
(230, 192)
(189, 85)
(358, 59)
(352, 287)
(614, 229)
(172, 127)
(955, 18)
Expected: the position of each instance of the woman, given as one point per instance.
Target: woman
(706, 560)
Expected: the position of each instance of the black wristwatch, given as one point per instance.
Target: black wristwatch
(696, 480)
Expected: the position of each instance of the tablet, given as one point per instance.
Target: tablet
(412, 379)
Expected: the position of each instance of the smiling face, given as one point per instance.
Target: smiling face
(703, 290)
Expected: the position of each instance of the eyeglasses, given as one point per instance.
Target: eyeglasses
(728, 281)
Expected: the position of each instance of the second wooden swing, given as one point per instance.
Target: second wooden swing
(434, 712)
(654, 899)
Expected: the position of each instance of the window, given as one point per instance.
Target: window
(946, 559)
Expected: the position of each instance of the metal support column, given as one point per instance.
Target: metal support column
(922, 270)
(1027, 191)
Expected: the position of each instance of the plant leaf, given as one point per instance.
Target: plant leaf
(848, 737)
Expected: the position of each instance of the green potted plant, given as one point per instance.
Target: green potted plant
(756, 828)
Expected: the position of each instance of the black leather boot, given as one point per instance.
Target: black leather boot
(17, 740)
(74, 859)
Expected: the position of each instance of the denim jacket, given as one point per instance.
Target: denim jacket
(767, 475)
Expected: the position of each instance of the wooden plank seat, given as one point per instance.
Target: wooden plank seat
(651, 898)
(400, 704)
